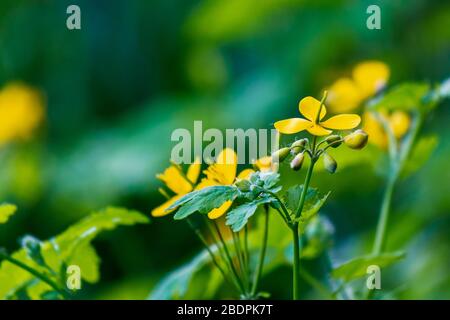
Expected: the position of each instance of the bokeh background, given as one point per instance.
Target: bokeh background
(116, 89)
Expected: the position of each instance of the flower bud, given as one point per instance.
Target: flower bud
(333, 140)
(298, 146)
(296, 163)
(329, 163)
(243, 185)
(356, 140)
(280, 155)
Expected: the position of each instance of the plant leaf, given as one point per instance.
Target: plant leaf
(406, 96)
(313, 201)
(357, 267)
(238, 217)
(420, 154)
(6, 211)
(204, 200)
(65, 248)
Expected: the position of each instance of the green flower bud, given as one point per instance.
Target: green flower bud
(280, 155)
(243, 185)
(329, 163)
(296, 163)
(356, 140)
(332, 140)
(298, 146)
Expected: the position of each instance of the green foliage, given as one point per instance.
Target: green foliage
(313, 202)
(238, 217)
(204, 200)
(70, 247)
(406, 96)
(6, 211)
(420, 153)
(357, 267)
(176, 283)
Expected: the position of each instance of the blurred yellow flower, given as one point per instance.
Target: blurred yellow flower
(399, 122)
(223, 172)
(368, 77)
(177, 182)
(264, 164)
(309, 107)
(21, 112)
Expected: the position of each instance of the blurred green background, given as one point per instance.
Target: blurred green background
(138, 69)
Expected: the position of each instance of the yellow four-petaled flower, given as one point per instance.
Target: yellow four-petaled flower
(309, 107)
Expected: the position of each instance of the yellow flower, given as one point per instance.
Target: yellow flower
(309, 108)
(399, 122)
(368, 77)
(264, 164)
(223, 172)
(21, 112)
(178, 183)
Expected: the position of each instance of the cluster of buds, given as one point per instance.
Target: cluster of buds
(355, 140)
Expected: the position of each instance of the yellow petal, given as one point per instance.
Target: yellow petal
(293, 125)
(194, 171)
(264, 164)
(318, 130)
(343, 96)
(309, 108)
(206, 183)
(342, 122)
(375, 130)
(161, 210)
(218, 212)
(174, 180)
(224, 170)
(400, 122)
(245, 174)
(370, 77)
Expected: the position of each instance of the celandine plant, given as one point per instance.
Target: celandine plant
(296, 206)
(212, 197)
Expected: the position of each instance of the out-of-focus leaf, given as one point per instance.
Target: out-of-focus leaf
(176, 283)
(67, 248)
(406, 96)
(32, 247)
(420, 154)
(6, 211)
(238, 217)
(357, 267)
(204, 200)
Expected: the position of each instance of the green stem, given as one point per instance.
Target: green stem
(316, 284)
(230, 260)
(35, 273)
(211, 254)
(296, 269)
(301, 203)
(262, 254)
(380, 235)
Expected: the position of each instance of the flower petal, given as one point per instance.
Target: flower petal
(194, 171)
(245, 174)
(371, 76)
(318, 130)
(309, 108)
(161, 210)
(344, 96)
(264, 164)
(400, 122)
(174, 180)
(224, 169)
(218, 212)
(293, 125)
(375, 130)
(342, 122)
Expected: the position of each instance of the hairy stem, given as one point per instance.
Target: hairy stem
(262, 254)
